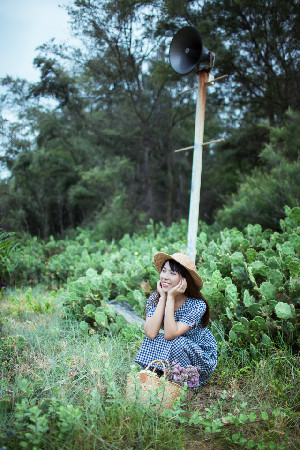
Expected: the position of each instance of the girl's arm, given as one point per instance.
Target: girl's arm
(172, 328)
(153, 323)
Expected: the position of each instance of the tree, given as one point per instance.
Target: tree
(129, 74)
(263, 195)
(256, 43)
(106, 140)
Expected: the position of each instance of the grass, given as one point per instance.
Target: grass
(62, 389)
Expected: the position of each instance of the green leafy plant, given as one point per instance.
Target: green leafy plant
(251, 277)
(8, 244)
(251, 281)
(87, 297)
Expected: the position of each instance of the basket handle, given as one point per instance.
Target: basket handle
(159, 361)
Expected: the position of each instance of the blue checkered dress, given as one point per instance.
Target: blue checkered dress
(196, 347)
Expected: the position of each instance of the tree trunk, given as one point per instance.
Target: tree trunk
(147, 174)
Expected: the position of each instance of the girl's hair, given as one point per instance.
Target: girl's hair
(191, 291)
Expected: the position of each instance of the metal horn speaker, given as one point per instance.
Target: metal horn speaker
(187, 51)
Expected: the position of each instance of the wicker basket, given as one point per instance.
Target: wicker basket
(143, 386)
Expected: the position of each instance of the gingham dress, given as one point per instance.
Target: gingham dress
(196, 347)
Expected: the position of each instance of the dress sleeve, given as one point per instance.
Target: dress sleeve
(151, 305)
(194, 312)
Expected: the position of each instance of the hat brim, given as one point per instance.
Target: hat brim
(160, 258)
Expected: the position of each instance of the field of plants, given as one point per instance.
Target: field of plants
(65, 354)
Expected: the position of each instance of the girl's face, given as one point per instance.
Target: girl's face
(169, 278)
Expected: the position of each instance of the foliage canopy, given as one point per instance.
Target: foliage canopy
(92, 142)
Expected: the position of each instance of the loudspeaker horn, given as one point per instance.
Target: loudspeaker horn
(187, 51)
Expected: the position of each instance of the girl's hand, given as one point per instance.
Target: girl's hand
(159, 289)
(179, 289)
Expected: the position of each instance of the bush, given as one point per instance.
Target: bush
(251, 281)
(251, 277)
(8, 244)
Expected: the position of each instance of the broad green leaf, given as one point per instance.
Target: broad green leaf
(288, 249)
(268, 291)
(216, 425)
(237, 258)
(216, 277)
(274, 262)
(266, 340)
(269, 253)
(257, 229)
(295, 214)
(251, 255)
(121, 298)
(105, 292)
(232, 335)
(248, 299)
(264, 415)
(236, 237)
(91, 273)
(101, 319)
(239, 328)
(276, 238)
(231, 293)
(110, 311)
(261, 324)
(89, 310)
(254, 230)
(138, 296)
(123, 287)
(207, 290)
(223, 283)
(245, 322)
(275, 277)
(106, 275)
(202, 237)
(224, 264)
(250, 274)
(229, 313)
(295, 240)
(295, 289)
(212, 294)
(284, 310)
(293, 265)
(242, 418)
(259, 268)
(121, 321)
(212, 264)
(245, 244)
(218, 298)
(239, 273)
(84, 327)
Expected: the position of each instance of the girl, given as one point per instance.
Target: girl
(180, 309)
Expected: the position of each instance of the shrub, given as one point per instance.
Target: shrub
(263, 194)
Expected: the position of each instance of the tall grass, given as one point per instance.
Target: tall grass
(62, 389)
(47, 363)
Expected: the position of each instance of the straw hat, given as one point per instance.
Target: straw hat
(182, 259)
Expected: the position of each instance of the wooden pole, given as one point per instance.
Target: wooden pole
(197, 167)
